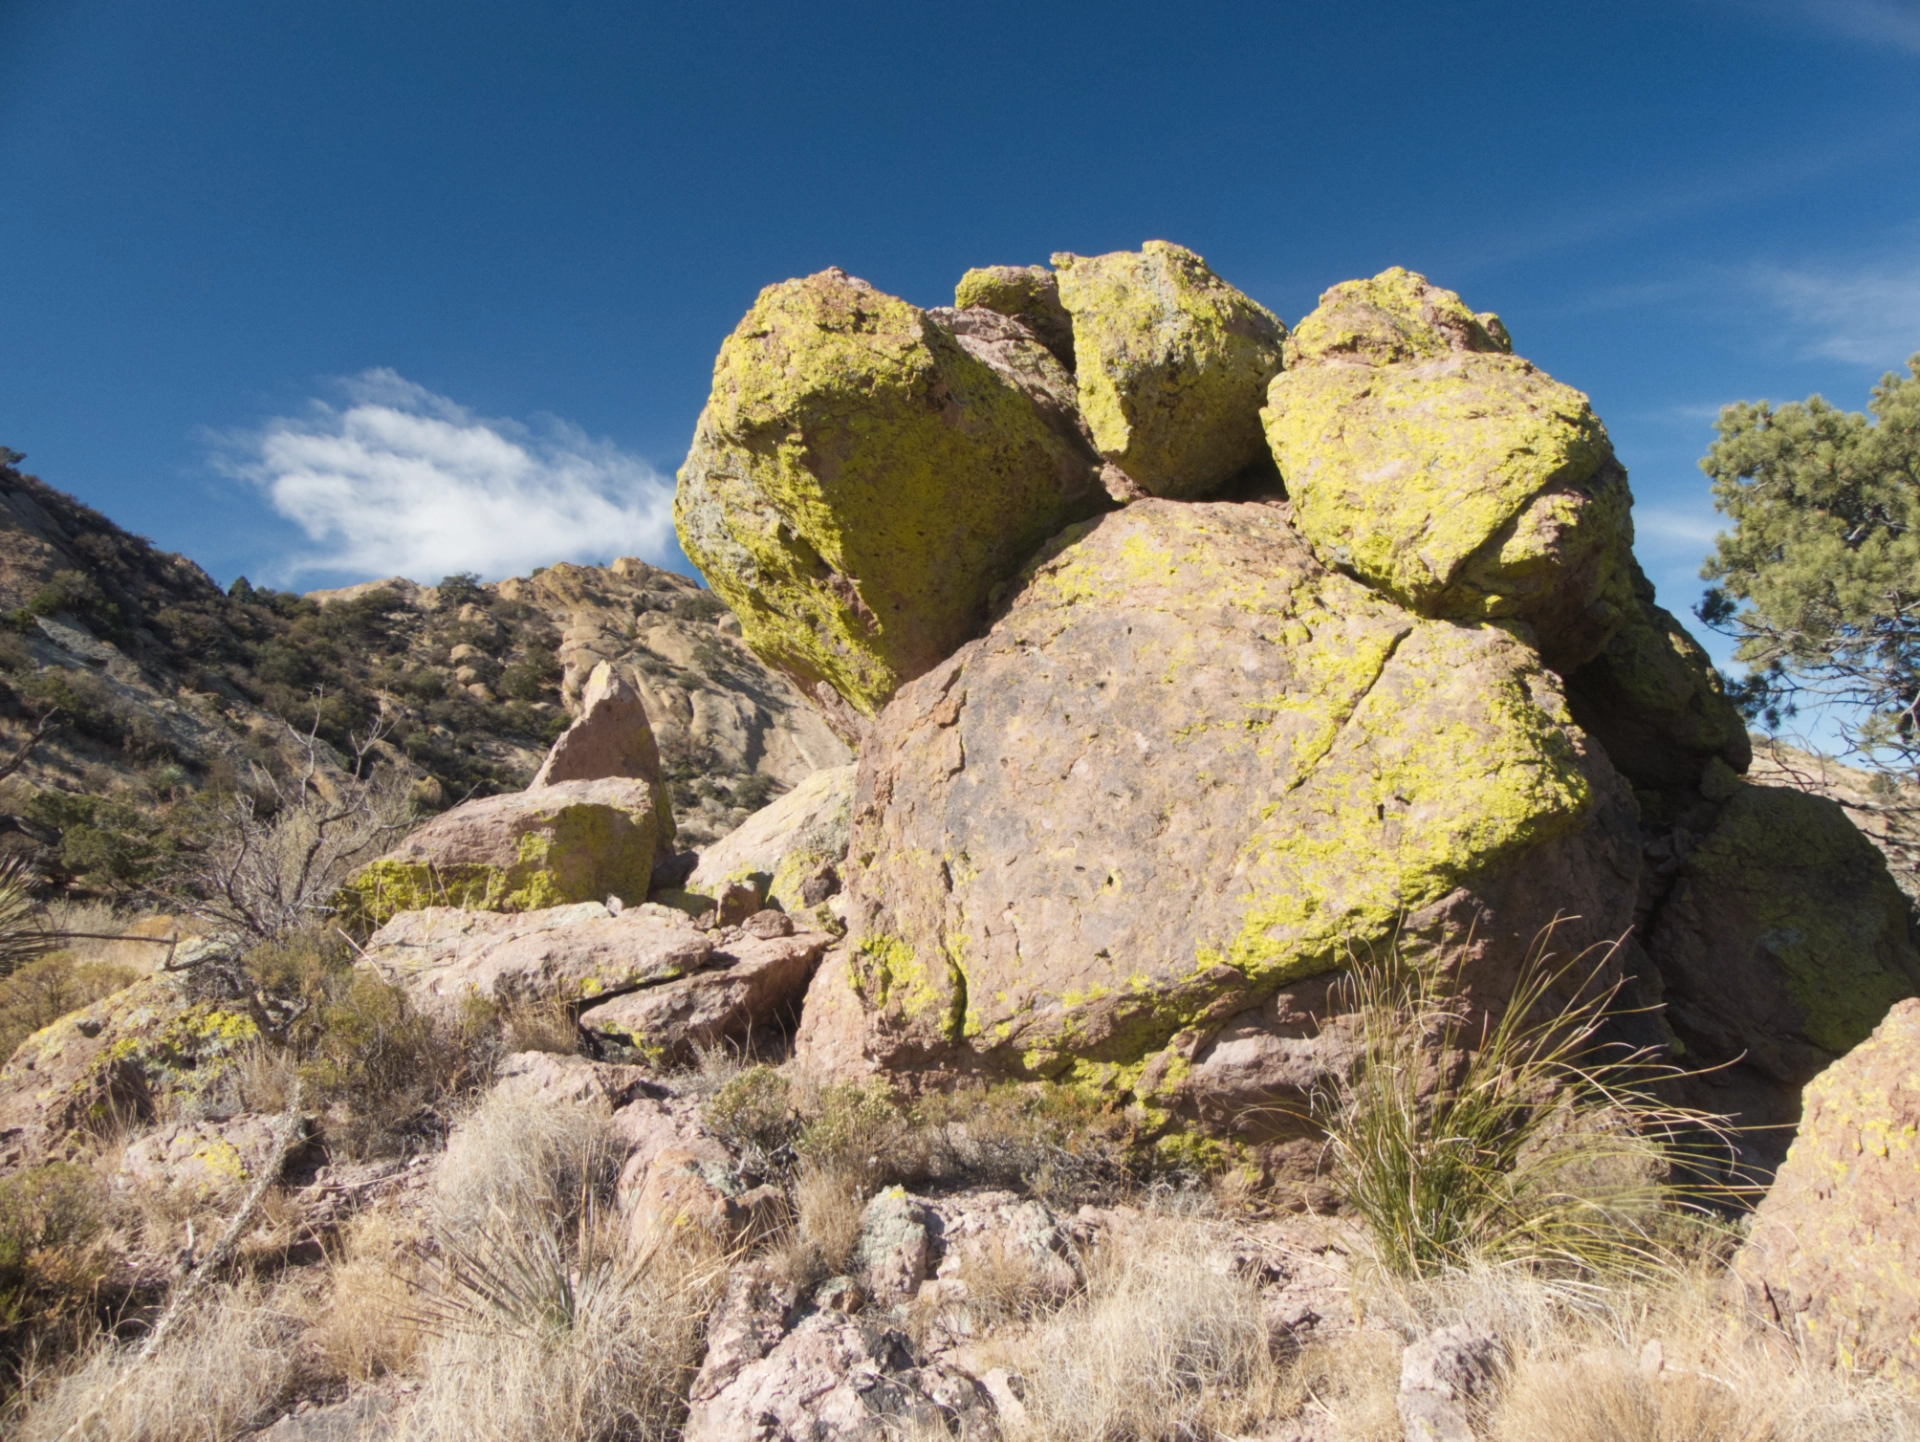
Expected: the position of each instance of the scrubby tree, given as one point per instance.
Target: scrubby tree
(1819, 578)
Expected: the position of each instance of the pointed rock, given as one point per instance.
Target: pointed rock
(611, 737)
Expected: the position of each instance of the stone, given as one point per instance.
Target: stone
(151, 1042)
(1430, 462)
(685, 1189)
(1029, 294)
(893, 1248)
(610, 737)
(1186, 770)
(784, 846)
(1448, 1380)
(1781, 943)
(756, 1310)
(1172, 364)
(364, 1417)
(547, 1079)
(1653, 699)
(566, 842)
(840, 1377)
(1834, 1254)
(754, 986)
(444, 954)
(858, 484)
(201, 1160)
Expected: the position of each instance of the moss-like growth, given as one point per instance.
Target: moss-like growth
(1426, 459)
(1173, 365)
(859, 484)
(1028, 293)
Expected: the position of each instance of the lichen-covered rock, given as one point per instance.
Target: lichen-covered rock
(443, 955)
(1834, 1254)
(566, 842)
(1653, 699)
(610, 737)
(1172, 363)
(199, 1160)
(893, 1248)
(1431, 462)
(789, 851)
(753, 985)
(117, 1059)
(859, 483)
(1029, 294)
(1783, 937)
(1187, 769)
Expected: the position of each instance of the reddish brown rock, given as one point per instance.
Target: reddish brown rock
(611, 737)
(753, 982)
(1183, 774)
(687, 1190)
(1834, 1255)
(444, 954)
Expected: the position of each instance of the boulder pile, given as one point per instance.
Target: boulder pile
(1189, 657)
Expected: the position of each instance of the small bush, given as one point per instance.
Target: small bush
(51, 1266)
(753, 1113)
(1527, 1141)
(43, 991)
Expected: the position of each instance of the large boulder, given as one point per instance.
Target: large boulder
(1834, 1254)
(565, 842)
(1189, 769)
(442, 955)
(1172, 363)
(789, 851)
(859, 482)
(1782, 941)
(1431, 462)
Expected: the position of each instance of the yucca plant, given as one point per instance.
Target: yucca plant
(24, 934)
(1523, 1140)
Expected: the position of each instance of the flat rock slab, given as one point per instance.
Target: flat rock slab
(444, 953)
(749, 982)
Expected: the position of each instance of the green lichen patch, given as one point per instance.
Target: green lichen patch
(859, 483)
(1173, 365)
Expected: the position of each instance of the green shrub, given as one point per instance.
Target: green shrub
(43, 991)
(753, 1112)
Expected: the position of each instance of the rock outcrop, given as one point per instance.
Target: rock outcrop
(1029, 294)
(610, 737)
(1172, 364)
(858, 484)
(1189, 768)
(1834, 1255)
(1427, 459)
(790, 852)
(524, 851)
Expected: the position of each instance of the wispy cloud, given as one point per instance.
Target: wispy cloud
(1866, 314)
(1883, 22)
(1664, 528)
(400, 481)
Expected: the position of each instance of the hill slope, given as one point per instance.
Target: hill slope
(171, 693)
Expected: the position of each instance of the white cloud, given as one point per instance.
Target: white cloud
(1868, 314)
(400, 481)
(1663, 528)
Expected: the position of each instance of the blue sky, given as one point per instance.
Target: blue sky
(321, 291)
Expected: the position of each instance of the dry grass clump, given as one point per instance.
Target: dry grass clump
(53, 1221)
(1162, 1343)
(369, 1323)
(1521, 1140)
(222, 1373)
(540, 1320)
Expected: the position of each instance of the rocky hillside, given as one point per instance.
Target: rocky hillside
(169, 691)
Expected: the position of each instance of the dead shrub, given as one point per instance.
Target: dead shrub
(221, 1374)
